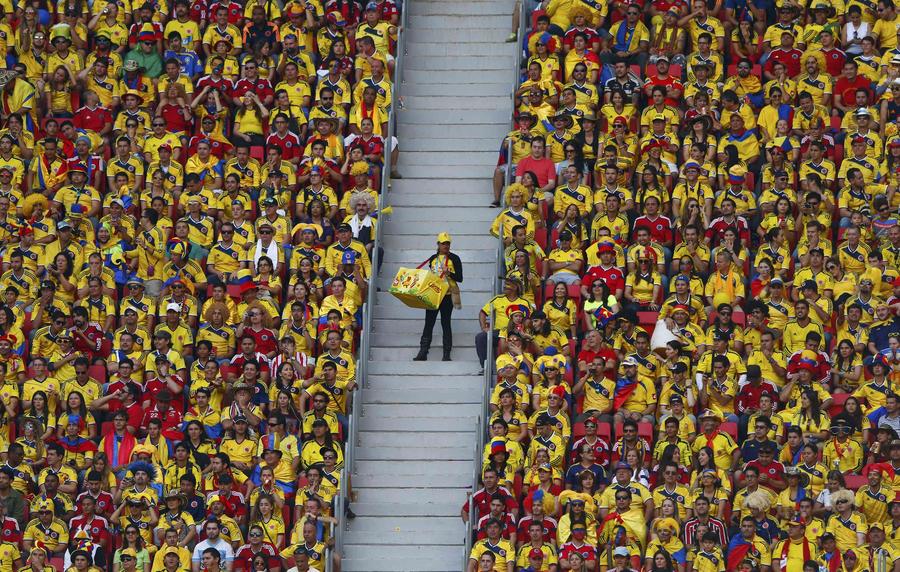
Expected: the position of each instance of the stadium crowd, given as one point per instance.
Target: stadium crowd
(188, 199)
(698, 335)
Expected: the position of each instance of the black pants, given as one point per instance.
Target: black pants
(481, 344)
(446, 310)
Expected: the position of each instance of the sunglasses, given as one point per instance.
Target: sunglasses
(265, 232)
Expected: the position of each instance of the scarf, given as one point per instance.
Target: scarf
(834, 561)
(122, 456)
(787, 547)
(724, 285)
(271, 251)
(356, 225)
(711, 440)
(666, 39)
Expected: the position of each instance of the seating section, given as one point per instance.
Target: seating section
(694, 350)
(190, 194)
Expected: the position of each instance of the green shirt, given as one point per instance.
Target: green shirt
(151, 63)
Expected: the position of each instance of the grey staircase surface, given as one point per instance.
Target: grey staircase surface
(418, 424)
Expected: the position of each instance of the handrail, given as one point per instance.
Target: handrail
(490, 374)
(355, 405)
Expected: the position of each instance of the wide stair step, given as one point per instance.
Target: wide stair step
(419, 421)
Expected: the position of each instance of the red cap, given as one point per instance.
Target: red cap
(559, 391)
(536, 553)
(620, 119)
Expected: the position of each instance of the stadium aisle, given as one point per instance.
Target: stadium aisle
(423, 413)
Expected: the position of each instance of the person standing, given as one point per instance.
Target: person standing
(448, 266)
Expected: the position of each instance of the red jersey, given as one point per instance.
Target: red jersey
(548, 524)
(260, 86)
(388, 9)
(243, 558)
(235, 505)
(171, 419)
(104, 502)
(613, 276)
(587, 551)
(175, 121)
(223, 84)
(116, 404)
(569, 38)
(482, 500)
(790, 58)
(600, 447)
(96, 344)
(239, 360)
(96, 527)
(92, 119)
(774, 470)
(372, 146)
(137, 28)
(669, 83)
(152, 387)
(217, 147)
(266, 340)
(660, 228)
(748, 397)
(235, 12)
(834, 61)
(93, 164)
(10, 530)
(290, 145)
(508, 526)
(847, 89)
(199, 11)
(716, 229)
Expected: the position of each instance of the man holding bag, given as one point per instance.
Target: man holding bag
(449, 267)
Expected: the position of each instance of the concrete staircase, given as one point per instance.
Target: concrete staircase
(418, 425)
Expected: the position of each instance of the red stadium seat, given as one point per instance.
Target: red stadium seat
(577, 431)
(604, 431)
(837, 403)
(730, 428)
(258, 152)
(97, 372)
(648, 318)
(854, 482)
(645, 431)
(540, 237)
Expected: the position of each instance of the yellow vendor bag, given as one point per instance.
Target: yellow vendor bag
(419, 288)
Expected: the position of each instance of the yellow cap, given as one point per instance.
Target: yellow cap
(505, 361)
(443, 237)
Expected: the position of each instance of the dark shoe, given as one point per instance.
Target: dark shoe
(395, 174)
(349, 513)
(422, 355)
(446, 356)
(495, 204)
